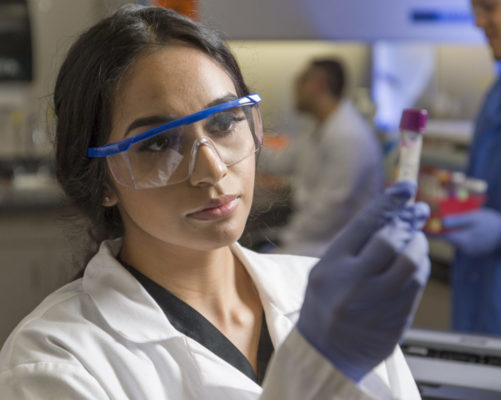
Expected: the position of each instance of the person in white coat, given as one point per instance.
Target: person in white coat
(156, 141)
(333, 171)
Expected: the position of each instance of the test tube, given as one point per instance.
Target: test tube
(412, 127)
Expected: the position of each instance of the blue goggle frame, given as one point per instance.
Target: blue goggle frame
(124, 145)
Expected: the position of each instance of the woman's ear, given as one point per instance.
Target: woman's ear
(110, 198)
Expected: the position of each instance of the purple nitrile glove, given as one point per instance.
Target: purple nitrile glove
(475, 233)
(363, 292)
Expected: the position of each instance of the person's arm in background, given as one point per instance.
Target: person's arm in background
(475, 233)
(478, 233)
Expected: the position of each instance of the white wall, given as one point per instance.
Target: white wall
(463, 74)
(55, 25)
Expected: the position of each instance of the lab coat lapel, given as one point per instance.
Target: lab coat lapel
(220, 379)
(120, 298)
(281, 293)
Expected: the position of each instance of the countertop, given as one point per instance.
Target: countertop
(30, 193)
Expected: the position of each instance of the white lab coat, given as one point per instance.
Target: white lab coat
(104, 337)
(335, 171)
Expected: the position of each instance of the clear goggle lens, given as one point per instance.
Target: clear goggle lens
(169, 157)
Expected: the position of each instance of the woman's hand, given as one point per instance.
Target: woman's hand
(364, 291)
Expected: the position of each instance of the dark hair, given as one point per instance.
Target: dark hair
(85, 89)
(334, 73)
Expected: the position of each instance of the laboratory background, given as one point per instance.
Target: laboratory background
(397, 54)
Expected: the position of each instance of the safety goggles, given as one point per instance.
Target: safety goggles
(166, 154)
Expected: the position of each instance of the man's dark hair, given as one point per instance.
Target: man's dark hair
(334, 74)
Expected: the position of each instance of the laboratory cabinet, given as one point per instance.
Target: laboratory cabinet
(35, 259)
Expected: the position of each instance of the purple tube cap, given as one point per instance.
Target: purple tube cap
(414, 119)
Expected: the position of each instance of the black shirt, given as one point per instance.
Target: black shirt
(190, 322)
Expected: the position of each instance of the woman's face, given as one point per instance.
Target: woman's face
(209, 210)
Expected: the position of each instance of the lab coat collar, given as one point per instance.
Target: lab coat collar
(121, 298)
(280, 286)
(283, 291)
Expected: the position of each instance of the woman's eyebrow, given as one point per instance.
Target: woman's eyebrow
(148, 121)
(223, 99)
(162, 119)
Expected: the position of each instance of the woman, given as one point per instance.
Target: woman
(156, 141)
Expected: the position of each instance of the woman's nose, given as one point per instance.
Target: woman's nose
(208, 167)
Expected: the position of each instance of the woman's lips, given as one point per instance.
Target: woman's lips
(216, 208)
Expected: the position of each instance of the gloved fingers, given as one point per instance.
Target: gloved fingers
(399, 308)
(376, 256)
(404, 299)
(360, 229)
(409, 301)
(384, 314)
(385, 245)
(457, 238)
(405, 188)
(412, 264)
(417, 252)
(458, 220)
(415, 259)
(416, 214)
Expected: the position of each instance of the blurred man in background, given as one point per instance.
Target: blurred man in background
(334, 170)
(476, 272)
